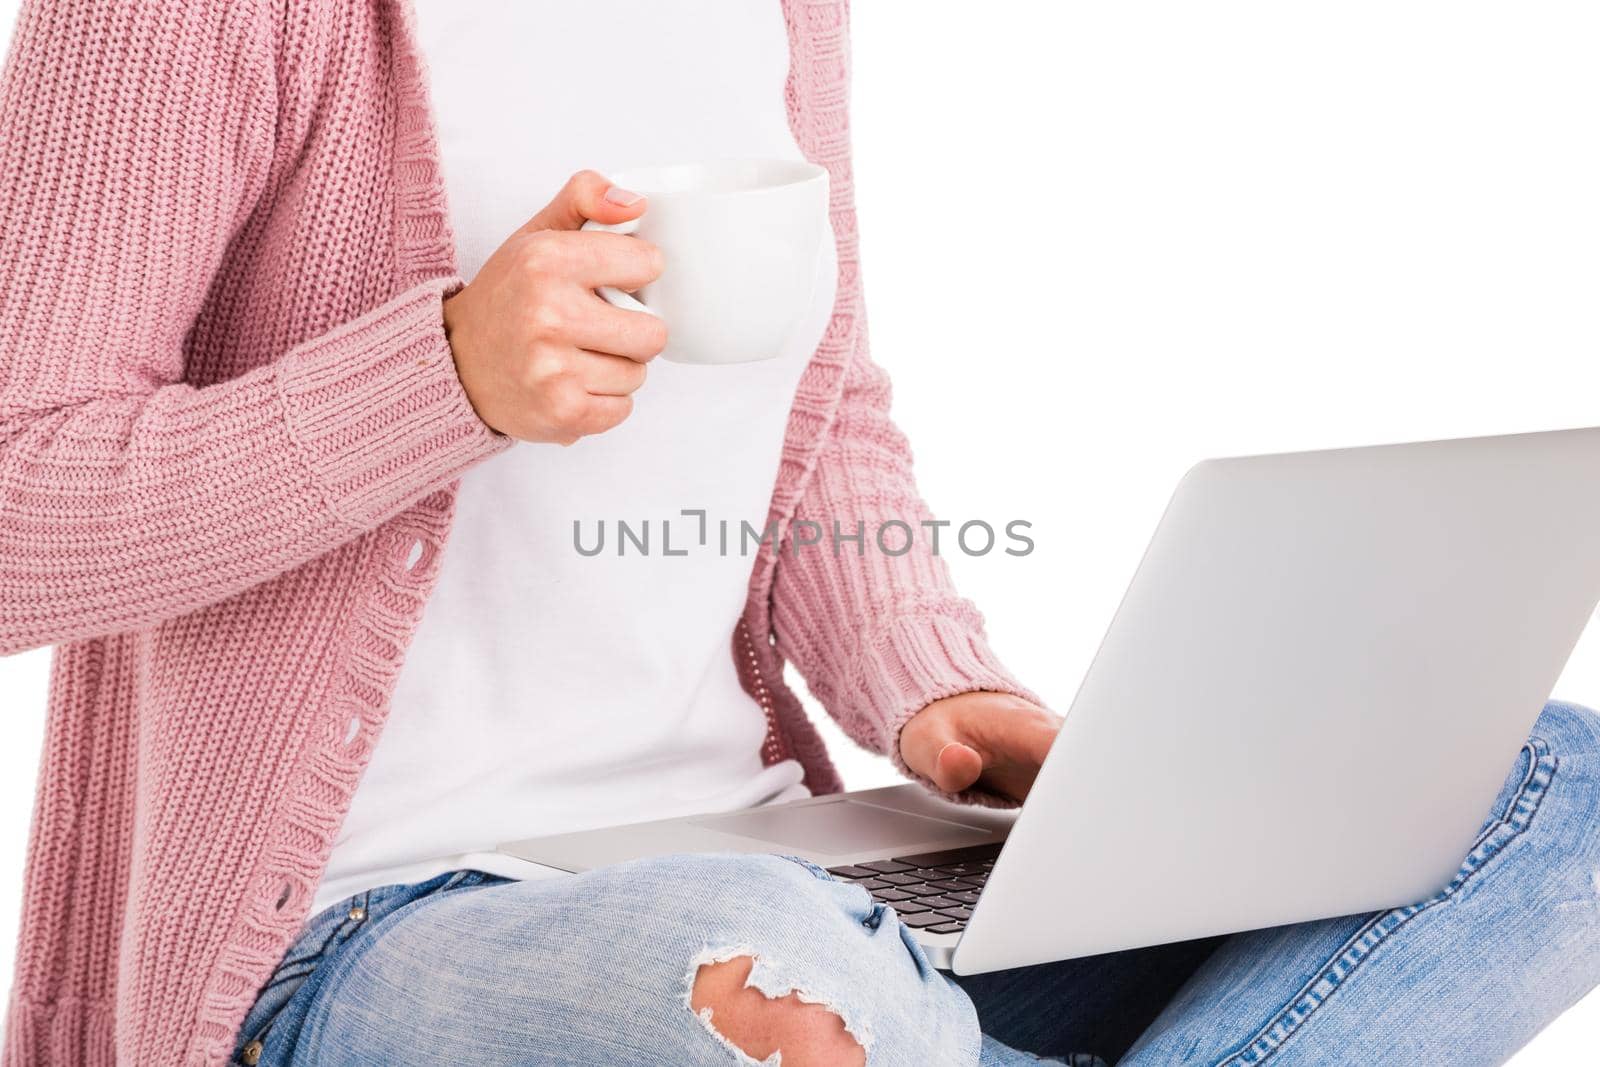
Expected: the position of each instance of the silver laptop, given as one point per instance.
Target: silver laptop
(1315, 684)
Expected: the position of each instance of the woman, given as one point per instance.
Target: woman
(245, 400)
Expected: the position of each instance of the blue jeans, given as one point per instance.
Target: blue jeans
(596, 968)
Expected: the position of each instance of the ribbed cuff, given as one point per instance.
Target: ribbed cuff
(378, 411)
(923, 658)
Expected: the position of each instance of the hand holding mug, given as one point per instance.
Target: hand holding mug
(540, 355)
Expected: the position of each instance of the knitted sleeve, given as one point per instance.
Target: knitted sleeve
(878, 633)
(137, 139)
(875, 626)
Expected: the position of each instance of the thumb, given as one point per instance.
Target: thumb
(956, 767)
(587, 195)
(935, 750)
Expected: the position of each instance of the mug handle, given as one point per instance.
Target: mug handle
(611, 295)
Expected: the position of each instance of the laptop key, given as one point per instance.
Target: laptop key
(887, 866)
(851, 873)
(956, 913)
(873, 884)
(969, 897)
(950, 886)
(901, 879)
(922, 889)
(927, 918)
(911, 907)
(940, 903)
(947, 928)
(890, 895)
(971, 854)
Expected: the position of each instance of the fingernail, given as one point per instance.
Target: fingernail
(622, 197)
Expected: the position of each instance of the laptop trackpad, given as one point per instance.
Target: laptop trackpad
(841, 827)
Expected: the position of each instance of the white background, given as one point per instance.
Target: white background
(1104, 240)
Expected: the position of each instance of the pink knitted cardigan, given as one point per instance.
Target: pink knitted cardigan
(228, 414)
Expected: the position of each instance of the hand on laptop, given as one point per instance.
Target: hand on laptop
(993, 741)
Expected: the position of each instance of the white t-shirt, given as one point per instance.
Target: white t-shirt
(547, 690)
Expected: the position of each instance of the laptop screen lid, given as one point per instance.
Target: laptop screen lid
(1314, 686)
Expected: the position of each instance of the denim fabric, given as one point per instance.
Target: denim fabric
(596, 969)
(273, 1025)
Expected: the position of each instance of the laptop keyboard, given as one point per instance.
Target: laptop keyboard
(932, 891)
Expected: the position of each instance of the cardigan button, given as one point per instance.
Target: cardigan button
(251, 1055)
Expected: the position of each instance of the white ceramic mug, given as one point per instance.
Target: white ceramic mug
(742, 241)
